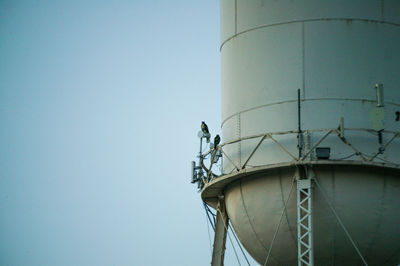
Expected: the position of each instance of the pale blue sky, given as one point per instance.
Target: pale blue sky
(100, 105)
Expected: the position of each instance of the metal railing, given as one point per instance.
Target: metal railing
(339, 132)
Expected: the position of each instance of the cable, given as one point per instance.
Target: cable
(280, 220)
(208, 212)
(234, 235)
(208, 216)
(386, 161)
(346, 157)
(212, 214)
(237, 241)
(234, 250)
(209, 237)
(208, 227)
(230, 239)
(340, 222)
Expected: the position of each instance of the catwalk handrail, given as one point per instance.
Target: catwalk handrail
(296, 159)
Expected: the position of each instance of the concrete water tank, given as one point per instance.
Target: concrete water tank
(344, 57)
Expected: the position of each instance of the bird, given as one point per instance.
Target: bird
(217, 140)
(204, 128)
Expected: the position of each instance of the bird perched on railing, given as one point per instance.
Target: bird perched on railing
(206, 133)
(204, 128)
(217, 140)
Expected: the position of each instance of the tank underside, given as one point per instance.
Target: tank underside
(365, 197)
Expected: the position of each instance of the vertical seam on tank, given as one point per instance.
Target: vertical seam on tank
(286, 215)
(239, 143)
(382, 10)
(379, 220)
(334, 205)
(303, 60)
(235, 17)
(393, 254)
(251, 224)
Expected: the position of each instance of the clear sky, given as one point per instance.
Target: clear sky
(100, 105)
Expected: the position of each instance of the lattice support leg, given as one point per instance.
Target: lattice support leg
(304, 222)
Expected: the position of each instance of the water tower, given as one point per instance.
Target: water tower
(310, 129)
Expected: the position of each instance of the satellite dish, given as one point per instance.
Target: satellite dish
(200, 134)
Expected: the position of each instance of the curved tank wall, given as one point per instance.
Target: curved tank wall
(334, 51)
(366, 199)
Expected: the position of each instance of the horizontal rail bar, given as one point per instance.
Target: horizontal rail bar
(270, 135)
